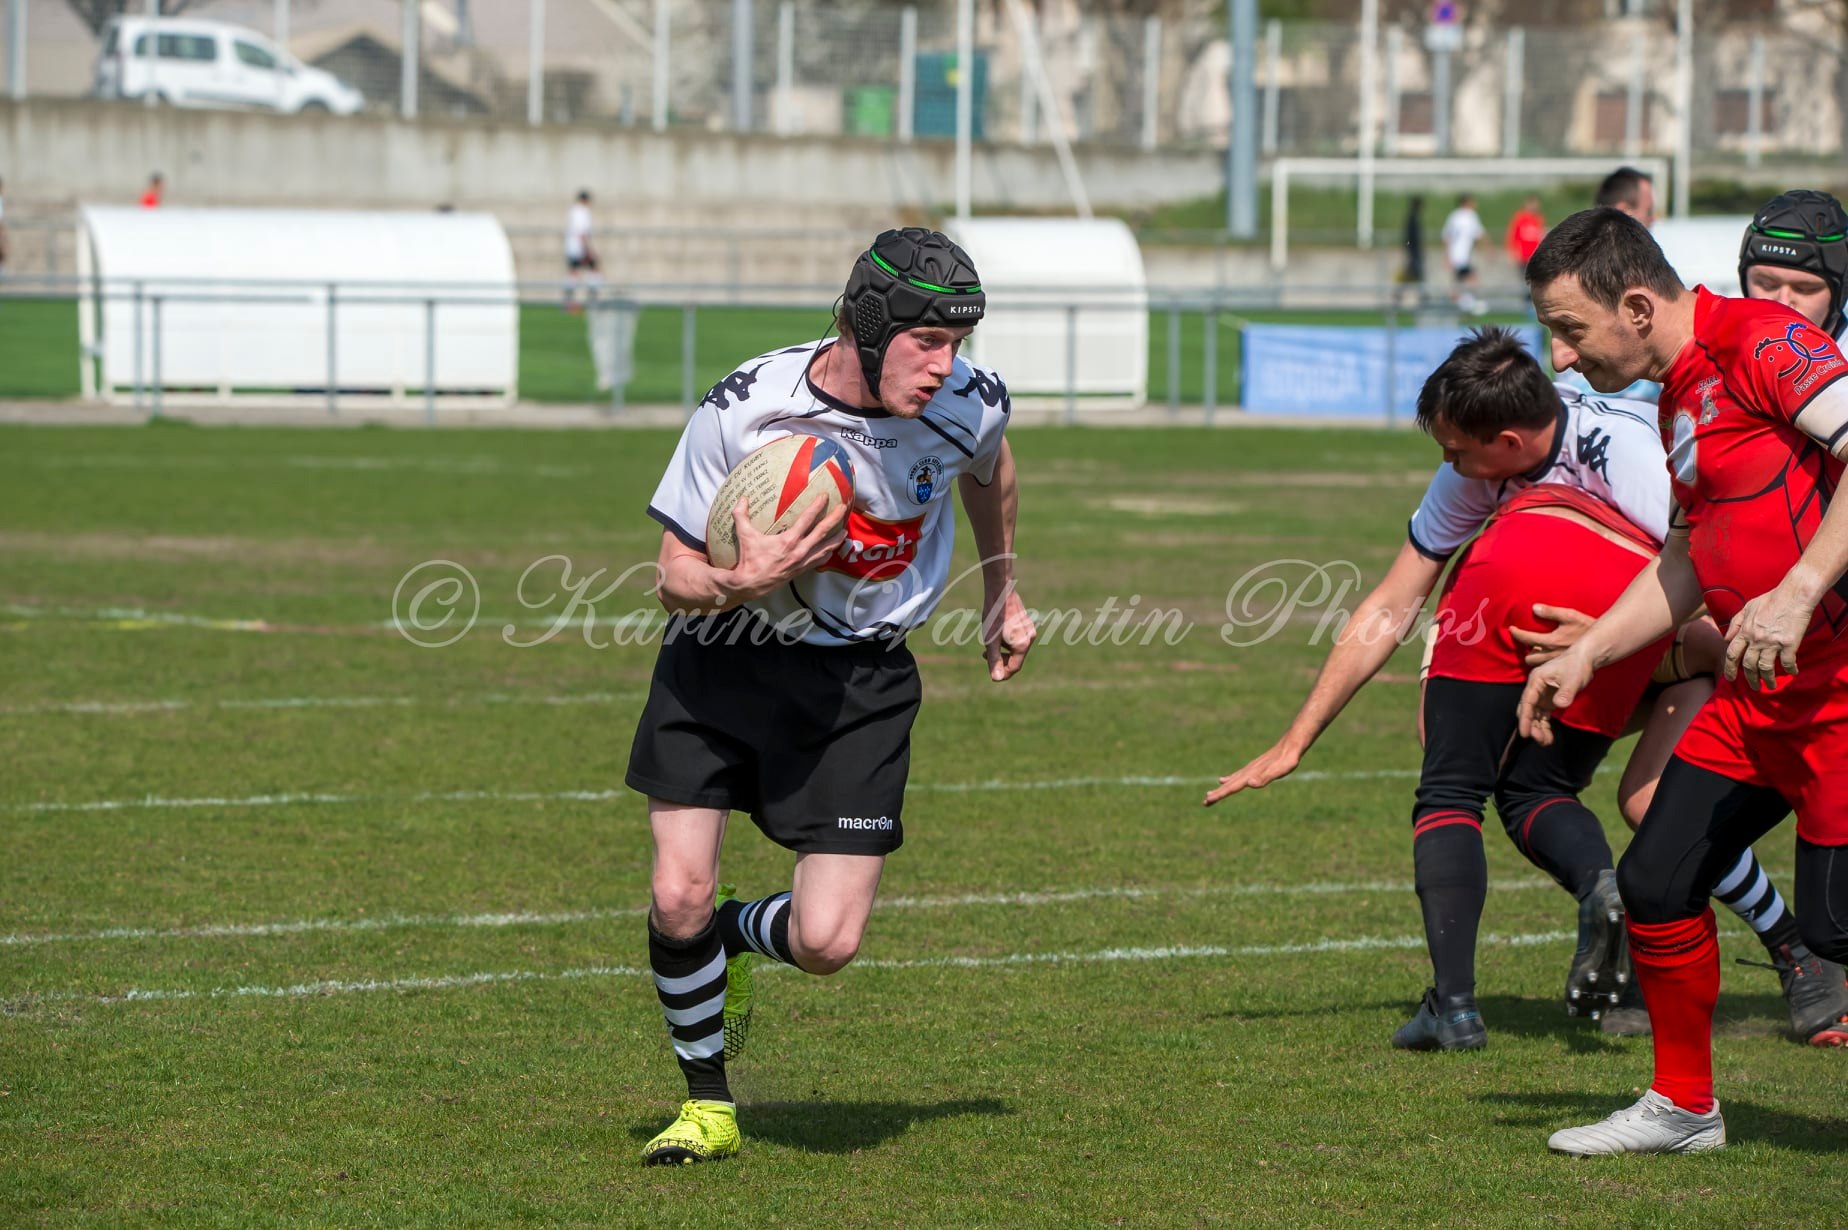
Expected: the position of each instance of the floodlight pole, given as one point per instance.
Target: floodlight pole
(1242, 132)
(965, 102)
(659, 100)
(16, 50)
(1369, 73)
(535, 63)
(1684, 103)
(407, 60)
(741, 65)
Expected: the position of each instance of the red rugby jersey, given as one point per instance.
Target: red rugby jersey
(1748, 414)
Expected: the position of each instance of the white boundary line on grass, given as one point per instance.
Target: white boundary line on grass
(115, 707)
(522, 919)
(158, 802)
(1366, 943)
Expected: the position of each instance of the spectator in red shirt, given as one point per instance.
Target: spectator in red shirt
(156, 186)
(1525, 231)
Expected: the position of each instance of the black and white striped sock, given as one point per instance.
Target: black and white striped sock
(759, 926)
(1748, 892)
(689, 977)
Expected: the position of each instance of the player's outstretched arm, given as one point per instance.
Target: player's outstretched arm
(1376, 628)
(690, 585)
(1007, 629)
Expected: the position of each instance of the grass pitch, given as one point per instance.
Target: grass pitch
(302, 924)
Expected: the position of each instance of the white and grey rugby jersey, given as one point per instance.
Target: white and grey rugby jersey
(893, 569)
(1605, 445)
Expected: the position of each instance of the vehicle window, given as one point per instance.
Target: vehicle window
(144, 46)
(198, 48)
(114, 38)
(255, 56)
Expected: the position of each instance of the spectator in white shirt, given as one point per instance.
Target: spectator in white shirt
(580, 252)
(1463, 230)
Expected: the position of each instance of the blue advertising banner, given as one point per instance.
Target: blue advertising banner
(1344, 369)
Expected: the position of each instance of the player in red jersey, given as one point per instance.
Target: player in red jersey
(1754, 412)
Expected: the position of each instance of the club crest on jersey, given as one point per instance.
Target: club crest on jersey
(924, 477)
(1802, 357)
(1709, 405)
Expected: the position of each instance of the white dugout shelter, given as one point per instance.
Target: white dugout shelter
(217, 304)
(1068, 307)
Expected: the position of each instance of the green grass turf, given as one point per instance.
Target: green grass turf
(38, 350)
(385, 1054)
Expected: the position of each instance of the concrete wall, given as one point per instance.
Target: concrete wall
(56, 150)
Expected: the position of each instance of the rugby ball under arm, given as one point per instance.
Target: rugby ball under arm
(777, 482)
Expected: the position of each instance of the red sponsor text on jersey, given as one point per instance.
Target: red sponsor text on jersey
(1752, 484)
(876, 550)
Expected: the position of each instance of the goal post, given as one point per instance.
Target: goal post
(1463, 172)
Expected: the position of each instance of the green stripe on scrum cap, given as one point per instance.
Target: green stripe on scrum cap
(942, 290)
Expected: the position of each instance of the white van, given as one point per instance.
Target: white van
(211, 64)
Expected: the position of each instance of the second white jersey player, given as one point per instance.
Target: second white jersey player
(1607, 446)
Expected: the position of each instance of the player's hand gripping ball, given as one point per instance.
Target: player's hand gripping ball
(777, 482)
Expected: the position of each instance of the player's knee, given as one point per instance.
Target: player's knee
(682, 907)
(825, 954)
(1649, 894)
(1514, 804)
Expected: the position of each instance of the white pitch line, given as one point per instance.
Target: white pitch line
(129, 707)
(158, 802)
(525, 919)
(1016, 960)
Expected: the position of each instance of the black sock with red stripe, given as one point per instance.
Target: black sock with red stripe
(1452, 875)
(1561, 837)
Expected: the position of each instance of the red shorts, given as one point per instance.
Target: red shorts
(1526, 557)
(1793, 739)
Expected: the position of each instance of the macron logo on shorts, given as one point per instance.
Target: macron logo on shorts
(882, 823)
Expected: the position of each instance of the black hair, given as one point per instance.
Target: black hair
(1609, 252)
(1624, 186)
(1489, 384)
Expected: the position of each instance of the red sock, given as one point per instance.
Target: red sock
(1678, 968)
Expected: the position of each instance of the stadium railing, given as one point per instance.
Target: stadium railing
(1217, 313)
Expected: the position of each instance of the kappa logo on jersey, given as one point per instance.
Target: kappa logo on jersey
(988, 388)
(738, 384)
(925, 474)
(1802, 357)
(876, 550)
(871, 441)
(1594, 449)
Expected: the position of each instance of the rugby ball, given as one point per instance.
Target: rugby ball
(777, 482)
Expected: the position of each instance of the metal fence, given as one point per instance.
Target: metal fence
(1192, 342)
(877, 68)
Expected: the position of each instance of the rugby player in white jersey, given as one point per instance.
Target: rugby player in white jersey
(784, 688)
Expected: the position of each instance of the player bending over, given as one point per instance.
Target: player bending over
(1504, 429)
